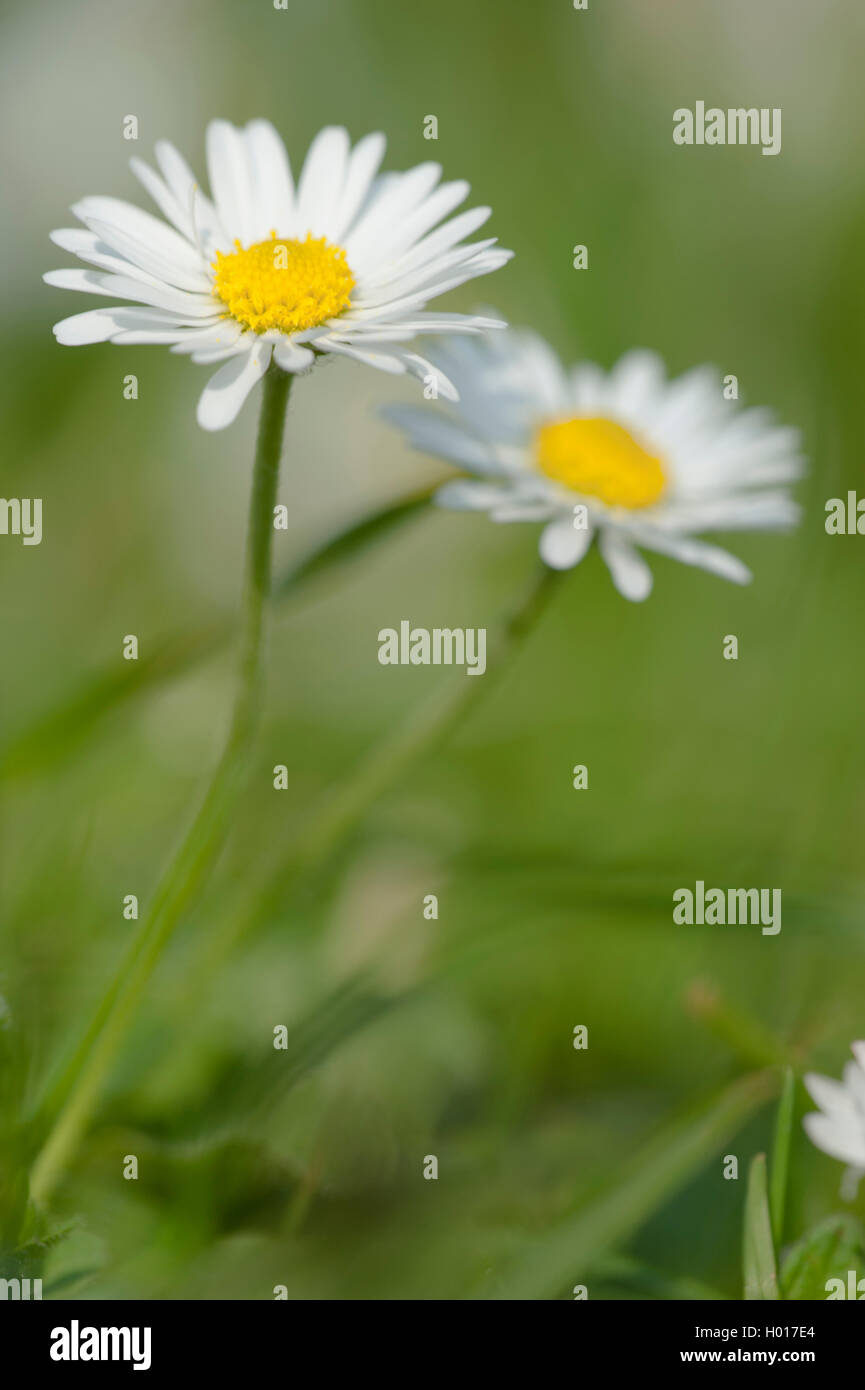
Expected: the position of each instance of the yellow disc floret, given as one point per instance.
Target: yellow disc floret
(601, 459)
(284, 284)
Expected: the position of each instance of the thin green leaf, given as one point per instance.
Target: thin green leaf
(781, 1156)
(566, 1253)
(328, 559)
(758, 1251)
(828, 1251)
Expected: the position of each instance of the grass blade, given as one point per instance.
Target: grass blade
(758, 1250)
(565, 1254)
(781, 1156)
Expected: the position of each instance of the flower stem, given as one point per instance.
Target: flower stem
(78, 1088)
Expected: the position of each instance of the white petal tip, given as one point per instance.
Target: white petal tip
(810, 1078)
(209, 423)
(447, 391)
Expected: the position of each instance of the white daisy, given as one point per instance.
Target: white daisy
(624, 456)
(839, 1126)
(342, 262)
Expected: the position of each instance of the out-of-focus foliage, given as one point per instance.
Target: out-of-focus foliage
(410, 1037)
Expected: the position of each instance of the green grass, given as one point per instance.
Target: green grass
(453, 1037)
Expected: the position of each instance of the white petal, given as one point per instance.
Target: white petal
(425, 276)
(148, 259)
(228, 169)
(693, 400)
(178, 176)
(207, 357)
(838, 1141)
(428, 214)
(369, 240)
(694, 552)
(831, 1096)
(431, 432)
(322, 181)
(125, 217)
(854, 1084)
(384, 361)
(124, 287)
(742, 511)
(419, 323)
(426, 372)
(166, 336)
(588, 389)
(361, 335)
(226, 391)
(523, 511)
(99, 325)
(435, 244)
(205, 230)
(94, 326)
(272, 183)
(562, 544)
(165, 200)
(210, 235)
(86, 245)
(471, 270)
(463, 494)
(630, 573)
(541, 373)
(291, 357)
(362, 167)
(638, 381)
(215, 337)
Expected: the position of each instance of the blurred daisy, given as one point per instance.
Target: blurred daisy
(839, 1126)
(341, 262)
(625, 456)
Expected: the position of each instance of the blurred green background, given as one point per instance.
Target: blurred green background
(451, 1037)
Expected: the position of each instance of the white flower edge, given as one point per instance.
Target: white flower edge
(838, 1126)
(403, 246)
(729, 468)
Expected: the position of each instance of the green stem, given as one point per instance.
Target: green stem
(781, 1156)
(746, 1036)
(77, 1090)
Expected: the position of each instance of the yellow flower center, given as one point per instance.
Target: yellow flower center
(287, 284)
(601, 459)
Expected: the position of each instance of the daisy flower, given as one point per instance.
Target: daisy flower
(265, 269)
(626, 456)
(838, 1128)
